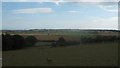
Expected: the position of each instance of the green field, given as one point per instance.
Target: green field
(100, 54)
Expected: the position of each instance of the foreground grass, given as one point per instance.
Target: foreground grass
(103, 54)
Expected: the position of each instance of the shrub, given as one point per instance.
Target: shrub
(7, 42)
(19, 41)
(10, 42)
(31, 40)
(61, 41)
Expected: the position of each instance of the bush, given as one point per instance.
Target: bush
(31, 40)
(61, 41)
(19, 41)
(7, 42)
(10, 42)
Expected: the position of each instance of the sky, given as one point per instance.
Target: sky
(25, 14)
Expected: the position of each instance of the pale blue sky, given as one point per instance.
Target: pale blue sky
(65, 15)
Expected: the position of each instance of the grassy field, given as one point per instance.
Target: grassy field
(101, 54)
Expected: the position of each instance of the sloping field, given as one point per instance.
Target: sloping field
(55, 37)
(103, 54)
(69, 36)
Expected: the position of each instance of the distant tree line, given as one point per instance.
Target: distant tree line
(99, 39)
(86, 39)
(11, 42)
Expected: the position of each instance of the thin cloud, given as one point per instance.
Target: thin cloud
(109, 8)
(72, 11)
(102, 23)
(33, 10)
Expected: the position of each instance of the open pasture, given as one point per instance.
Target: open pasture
(103, 54)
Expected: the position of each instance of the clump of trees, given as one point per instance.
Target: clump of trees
(11, 42)
(7, 42)
(18, 41)
(85, 40)
(99, 39)
(60, 42)
(31, 40)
